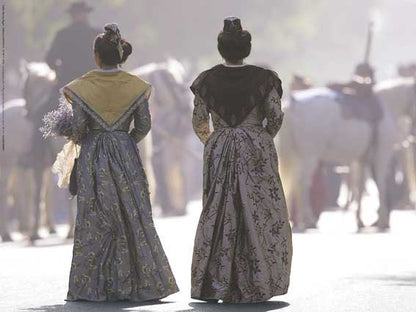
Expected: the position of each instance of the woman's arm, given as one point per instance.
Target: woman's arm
(273, 112)
(142, 121)
(79, 123)
(200, 119)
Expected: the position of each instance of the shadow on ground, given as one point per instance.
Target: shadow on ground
(85, 306)
(246, 307)
(392, 280)
(163, 306)
(397, 280)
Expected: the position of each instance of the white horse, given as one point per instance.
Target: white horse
(314, 129)
(400, 97)
(29, 188)
(39, 80)
(172, 96)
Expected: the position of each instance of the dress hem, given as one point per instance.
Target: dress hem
(219, 297)
(127, 298)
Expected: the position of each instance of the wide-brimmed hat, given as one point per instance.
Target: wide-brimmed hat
(78, 7)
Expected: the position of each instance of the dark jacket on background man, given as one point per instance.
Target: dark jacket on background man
(71, 53)
(70, 56)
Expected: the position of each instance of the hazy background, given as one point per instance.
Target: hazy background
(322, 39)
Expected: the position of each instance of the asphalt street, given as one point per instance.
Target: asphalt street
(334, 269)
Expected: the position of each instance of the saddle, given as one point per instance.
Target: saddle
(354, 105)
(358, 102)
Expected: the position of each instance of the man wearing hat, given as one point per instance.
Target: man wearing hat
(360, 100)
(70, 55)
(71, 52)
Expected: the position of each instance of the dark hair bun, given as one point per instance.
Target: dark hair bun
(234, 45)
(127, 50)
(108, 51)
(111, 48)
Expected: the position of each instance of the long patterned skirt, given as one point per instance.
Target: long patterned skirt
(117, 254)
(243, 244)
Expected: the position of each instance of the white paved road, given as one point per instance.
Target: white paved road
(334, 270)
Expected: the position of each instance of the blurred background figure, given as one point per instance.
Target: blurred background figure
(359, 96)
(299, 82)
(171, 155)
(315, 48)
(408, 70)
(70, 54)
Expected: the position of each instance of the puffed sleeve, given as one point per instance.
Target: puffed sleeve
(79, 123)
(142, 121)
(200, 119)
(273, 112)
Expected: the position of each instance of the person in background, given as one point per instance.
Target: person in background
(300, 83)
(69, 56)
(358, 95)
(243, 244)
(70, 53)
(407, 71)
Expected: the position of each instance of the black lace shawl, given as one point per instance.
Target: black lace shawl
(232, 92)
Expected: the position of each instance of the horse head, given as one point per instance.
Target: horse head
(39, 81)
(168, 79)
(300, 83)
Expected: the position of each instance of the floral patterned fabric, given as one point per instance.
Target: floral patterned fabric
(117, 254)
(243, 244)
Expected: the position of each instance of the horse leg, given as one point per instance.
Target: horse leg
(287, 174)
(348, 181)
(38, 179)
(381, 165)
(384, 209)
(19, 191)
(288, 158)
(145, 149)
(410, 172)
(359, 190)
(164, 179)
(318, 192)
(49, 200)
(175, 182)
(306, 218)
(4, 208)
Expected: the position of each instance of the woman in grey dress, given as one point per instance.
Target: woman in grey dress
(117, 254)
(243, 244)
